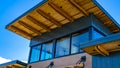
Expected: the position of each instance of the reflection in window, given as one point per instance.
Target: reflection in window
(62, 46)
(47, 51)
(35, 54)
(77, 39)
(96, 34)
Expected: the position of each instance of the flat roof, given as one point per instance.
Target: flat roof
(51, 14)
(15, 64)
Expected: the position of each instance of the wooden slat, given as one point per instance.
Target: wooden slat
(35, 21)
(48, 17)
(29, 27)
(62, 12)
(8, 67)
(15, 66)
(21, 31)
(79, 7)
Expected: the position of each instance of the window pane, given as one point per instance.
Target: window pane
(96, 34)
(47, 51)
(77, 39)
(35, 53)
(62, 46)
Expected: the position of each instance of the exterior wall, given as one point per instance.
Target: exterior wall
(112, 61)
(62, 62)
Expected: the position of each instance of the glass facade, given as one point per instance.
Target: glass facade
(47, 51)
(77, 39)
(62, 46)
(96, 34)
(35, 53)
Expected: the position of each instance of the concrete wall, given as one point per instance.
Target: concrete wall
(64, 61)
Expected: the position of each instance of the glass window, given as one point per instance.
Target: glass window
(77, 39)
(62, 46)
(35, 53)
(96, 34)
(47, 51)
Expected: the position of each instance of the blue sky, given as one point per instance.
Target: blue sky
(13, 46)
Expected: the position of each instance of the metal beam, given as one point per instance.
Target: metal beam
(35, 21)
(29, 27)
(79, 7)
(62, 12)
(21, 31)
(48, 17)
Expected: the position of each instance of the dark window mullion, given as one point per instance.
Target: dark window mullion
(30, 55)
(70, 44)
(40, 52)
(54, 48)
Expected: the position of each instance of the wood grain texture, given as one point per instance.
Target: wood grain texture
(55, 13)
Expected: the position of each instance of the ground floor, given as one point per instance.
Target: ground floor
(97, 61)
(64, 62)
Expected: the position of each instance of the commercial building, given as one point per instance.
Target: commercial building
(69, 34)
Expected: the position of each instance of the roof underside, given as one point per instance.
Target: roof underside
(13, 64)
(110, 43)
(55, 13)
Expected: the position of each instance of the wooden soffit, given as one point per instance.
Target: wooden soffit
(103, 46)
(14, 66)
(103, 49)
(55, 13)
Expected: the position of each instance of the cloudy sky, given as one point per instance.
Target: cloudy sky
(3, 60)
(15, 47)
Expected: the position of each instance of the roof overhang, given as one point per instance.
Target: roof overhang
(103, 45)
(53, 14)
(13, 64)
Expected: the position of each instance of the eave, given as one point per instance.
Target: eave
(13, 64)
(53, 14)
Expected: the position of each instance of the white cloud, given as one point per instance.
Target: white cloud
(24, 61)
(4, 60)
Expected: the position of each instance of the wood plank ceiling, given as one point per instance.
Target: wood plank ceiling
(55, 13)
(14, 66)
(109, 47)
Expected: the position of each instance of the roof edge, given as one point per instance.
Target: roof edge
(36, 6)
(109, 16)
(14, 62)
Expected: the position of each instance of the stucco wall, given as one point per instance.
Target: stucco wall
(64, 61)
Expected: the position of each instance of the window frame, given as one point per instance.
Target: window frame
(54, 41)
(69, 45)
(52, 50)
(30, 53)
(80, 32)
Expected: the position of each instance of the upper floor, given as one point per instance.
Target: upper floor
(67, 40)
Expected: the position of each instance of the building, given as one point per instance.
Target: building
(13, 64)
(69, 34)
